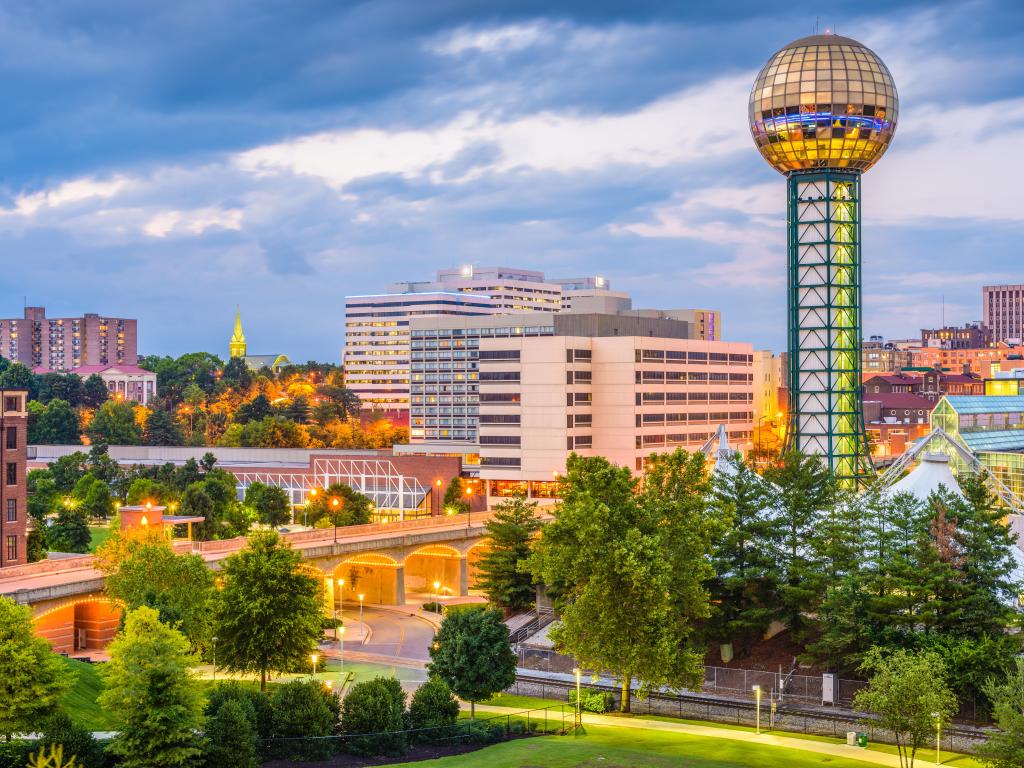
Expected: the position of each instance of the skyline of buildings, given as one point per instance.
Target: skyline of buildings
(64, 343)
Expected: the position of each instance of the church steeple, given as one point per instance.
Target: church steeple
(236, 348)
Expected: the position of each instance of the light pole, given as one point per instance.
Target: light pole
(437, 497)
(215, 658)
(469, 510)
(437, 606)
(313, 658)
(757, 695)
(341, 649)
(341, 600)
(334, 521)
(361, 596)
(938, 735)
(305, 509)
(579, 709)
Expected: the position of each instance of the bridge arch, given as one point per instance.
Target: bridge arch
(80, 625)
(434, 570)
(473, 555)
(374, 575)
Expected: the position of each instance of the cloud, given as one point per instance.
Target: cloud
(512, 37)
(66, 193)
(193, 222)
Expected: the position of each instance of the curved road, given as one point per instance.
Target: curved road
(397, 634)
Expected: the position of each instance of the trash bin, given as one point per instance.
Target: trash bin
(862, 739)
(851, 738)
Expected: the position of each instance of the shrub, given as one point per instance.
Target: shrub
(14, 754)
(478, 732)
(304, 708)
(433, 607)
(231, 736)
(78, 742)
(375, 707)
(433, 706)
(592, 700)
(258, 704)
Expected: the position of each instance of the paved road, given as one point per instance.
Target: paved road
(393, 633)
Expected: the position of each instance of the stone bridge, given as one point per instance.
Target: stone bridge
(383, 563)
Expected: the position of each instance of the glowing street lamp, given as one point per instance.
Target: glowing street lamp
(579, 709)
(341, 600)
(361, 596)
(341, 648)
(757, 695)
(437, 607)
(313, 658)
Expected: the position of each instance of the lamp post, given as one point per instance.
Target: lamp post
(437, 606)
(361, 596)
(341, 649)
(215, 658)
(437, 496)
(757, 695)
(313, 658)
(579, 709)
(469, 510)
(341, 600)
(305, 509)
(334, 521)
(938, 736)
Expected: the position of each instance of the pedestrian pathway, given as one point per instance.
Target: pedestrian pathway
(767, 739)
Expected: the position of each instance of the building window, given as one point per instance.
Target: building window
(11, 404)
(12, 473)
(12, 437)
(12, 548)
(499, 440)
(12, 510)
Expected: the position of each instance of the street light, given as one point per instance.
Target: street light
(938, 735)
(215, 658)
(437, 607)
(313, 658)
(579, 709)
(757, 694)
(341, 649)
(341, 600)
(469, 511)
(334, 521)
(361, 596)
(437, 496)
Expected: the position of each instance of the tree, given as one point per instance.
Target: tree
(114, 424)
(270, 503)
(57, 424)
(908, 693)
(1005, 748)
(352, 507)
(60, 386)
(237, 374)
(18, 376)
(162, 429)
(298, 410)
(151, 695)
(627, 568)
(70, 531)
(67, 470)
(454, 501)
(304, 709)
(471, 653)
(32, 677)
(433, 707)
(268, 614)
(145, 571)
(273, 432)
(375, 707)
(503, 577)
(78, 742)
(257, 703)
(92, 497)
(94, 391)
(231, 736)
(256, 409)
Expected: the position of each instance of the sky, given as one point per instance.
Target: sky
(169, 161)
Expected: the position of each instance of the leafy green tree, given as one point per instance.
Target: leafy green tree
(906, 691)
(268, 616)
(162, 428)
(304, 709)
(352, 508)
(151, 695)
(70, 531)
(42, 495)
(78, 742)
(32, 677)
(92, 497)
(94, 391)
(743, 588)
(57, 424)
(60, 386)
(471, 653)
(628, 568)
(375, 707)
(298, 410)
(143, 489)
(237, 374)
(18, 376)
(231, 736)
(433, 707)
(803, 489)
(454, 501)
(273, 432)
(147, 572)
(35, 546)
(114, 424)
(256, 409)
(270, 503)
(68, 470)
(503, 576)
(1005, 748)
(256, 703)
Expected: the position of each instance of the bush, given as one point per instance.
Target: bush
(480, 733)
(231, 736)
(14, 754)
(375, 707)
(258, 704)
(433, 706)
(77, 741)
(304, 708)
(592, 700)
(433, 607)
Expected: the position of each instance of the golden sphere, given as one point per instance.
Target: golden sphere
(823, 101)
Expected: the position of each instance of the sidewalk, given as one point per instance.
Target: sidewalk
(807, 745)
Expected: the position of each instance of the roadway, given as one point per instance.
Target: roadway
(397, 634)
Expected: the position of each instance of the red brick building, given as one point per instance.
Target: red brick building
(64, 343)
(13, 497)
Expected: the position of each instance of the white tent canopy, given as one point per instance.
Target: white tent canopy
(925, 479)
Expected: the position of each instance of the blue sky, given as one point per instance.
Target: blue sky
(169, 161)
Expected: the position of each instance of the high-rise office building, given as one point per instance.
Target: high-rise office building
(13, 493)
(64, 343)
(1002, 309)
(822, 111)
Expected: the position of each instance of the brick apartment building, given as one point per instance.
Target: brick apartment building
(13, 497)
(65, 343)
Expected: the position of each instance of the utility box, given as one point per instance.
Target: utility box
(828, 688)
(851, 738)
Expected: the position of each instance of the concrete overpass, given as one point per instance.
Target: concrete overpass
(386, 563)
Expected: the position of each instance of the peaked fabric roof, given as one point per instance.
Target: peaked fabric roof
(925, 480)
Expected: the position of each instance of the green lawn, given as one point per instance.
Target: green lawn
(80, 701)
(97, 535)
(622, 748)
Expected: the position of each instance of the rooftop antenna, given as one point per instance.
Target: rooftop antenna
(816, 19)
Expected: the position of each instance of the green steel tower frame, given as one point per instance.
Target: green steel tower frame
(826, 415)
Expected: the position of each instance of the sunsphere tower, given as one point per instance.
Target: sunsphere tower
(822, 111)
